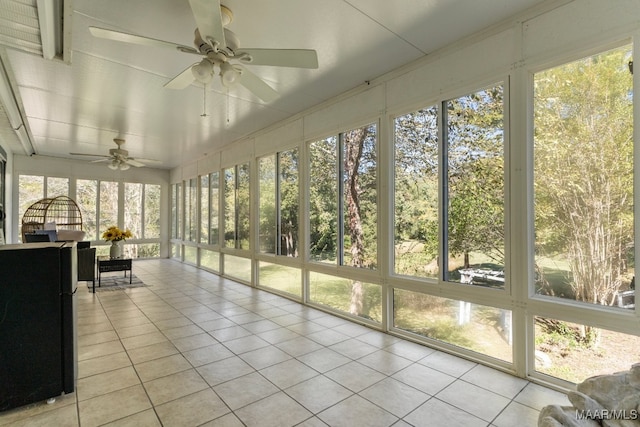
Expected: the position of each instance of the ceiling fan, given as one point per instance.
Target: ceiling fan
(221, 50)
(118, 158)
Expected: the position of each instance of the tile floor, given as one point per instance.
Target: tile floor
(194, 349)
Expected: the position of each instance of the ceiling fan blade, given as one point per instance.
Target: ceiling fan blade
(144, 41)
(257, 85)
(89, 155)
(101, 160)
(134, 162)
(298, 58)
(209, 20)
(182, 80)
(145, 161)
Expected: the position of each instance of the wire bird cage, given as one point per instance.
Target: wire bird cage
(61, 211)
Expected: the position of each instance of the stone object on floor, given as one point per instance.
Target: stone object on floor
(603, 400)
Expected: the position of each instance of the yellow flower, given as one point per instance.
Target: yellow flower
(113, 233)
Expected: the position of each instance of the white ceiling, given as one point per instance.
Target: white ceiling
(111, 89)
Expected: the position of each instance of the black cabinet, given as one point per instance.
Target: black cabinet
(38, 345)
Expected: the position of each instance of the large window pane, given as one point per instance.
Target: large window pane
(191, 212)
(210, 259)
(475, 188)
(176, 212)
(562, 350)
(350, 296)
(359, 198)
(237, 267)
(289, 195)
(416, 193)
(323, 200)
(214, 197)
(151, 224)
(267, 195)
(87, 198)
(108, 205)
(280, 278)
(205, 205)
(243, 206)
(483, 329)
(583, 179)
(230, 207)
(133, 199)
(57, 187)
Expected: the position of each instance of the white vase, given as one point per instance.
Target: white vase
(116, 249)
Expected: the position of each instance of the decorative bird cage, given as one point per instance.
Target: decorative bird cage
(61, 211)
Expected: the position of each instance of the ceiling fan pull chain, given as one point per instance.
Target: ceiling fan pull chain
(227, 104)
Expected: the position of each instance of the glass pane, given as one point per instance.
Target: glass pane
(191, 214)
(479, 328)
(583, 179)
(230, 207)
(152, 205)
(148, 250)
(204, 209)
(243, 207)
(280, 278)
(359, 197)
(86, 198)
(475, 178)
(323, 200)
(175, 251)
(576, 352)
(190, 254)
(349, 296)
(210, 260)
(30, 190)
(267, 183)
(416, 193)
(214, 186)
(238, 268)
(108, 205)
(175, 211)
(133, 199)
(57, 187)
(289, 195)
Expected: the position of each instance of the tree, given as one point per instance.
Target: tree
(583, 170)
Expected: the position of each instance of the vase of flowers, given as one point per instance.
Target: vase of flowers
(117, 237)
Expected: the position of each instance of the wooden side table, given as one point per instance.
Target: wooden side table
(106, 264)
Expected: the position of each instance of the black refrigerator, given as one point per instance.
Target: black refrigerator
(38, 344)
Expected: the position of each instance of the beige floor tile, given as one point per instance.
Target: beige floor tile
(113, 406)
(146, 418)
(245, 390)
(101, 364)
(97, 350)
(40, 409)
(174, 386)
(143, 340)
(192, 410)
(151, 352)
(106, 382)
(62, 416)
(132, 331)
(97, 338)
(162, 367)
(277, 410)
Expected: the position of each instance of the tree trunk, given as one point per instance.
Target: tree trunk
(354, 143)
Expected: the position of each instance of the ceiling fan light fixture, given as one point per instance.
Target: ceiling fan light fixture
(229, 74)
(124, 166)
(113, 165)
(203, 71)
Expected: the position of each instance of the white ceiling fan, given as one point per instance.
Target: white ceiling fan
(118, 158)
(221, 51)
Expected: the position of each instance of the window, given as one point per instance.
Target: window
(474, 144)
(583, 179)
(237, 206)
(209, 208)
(214, 200)
(176, 212)
(416, 193)
(87, 199)
(191, 210)
(348, 238)
(108, 205)
(279, 203)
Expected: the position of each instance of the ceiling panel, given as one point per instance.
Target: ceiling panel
(112, 89)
